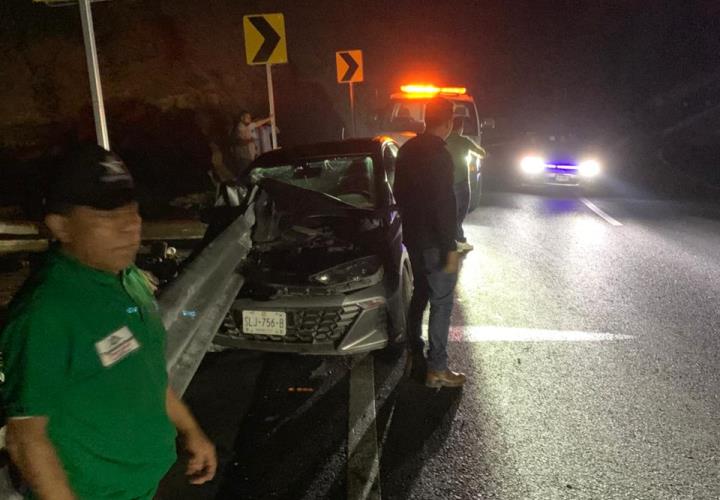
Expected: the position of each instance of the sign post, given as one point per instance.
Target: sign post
(350, 70)
(352, 109)
(101, 130)
(265, 44)
(93, 70)
(271, 101)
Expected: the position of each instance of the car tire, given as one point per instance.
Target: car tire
(475, 194)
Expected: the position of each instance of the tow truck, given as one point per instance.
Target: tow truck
(404, 118)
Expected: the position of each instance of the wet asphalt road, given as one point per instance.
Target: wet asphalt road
(591, 342)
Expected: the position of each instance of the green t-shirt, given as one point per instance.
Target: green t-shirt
(459, 146)
(86, 348)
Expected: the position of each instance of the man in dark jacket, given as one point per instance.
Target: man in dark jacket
(424, 191)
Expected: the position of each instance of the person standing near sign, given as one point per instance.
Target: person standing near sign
(424, 192)
(85, 388)
(460, 147)
(245, 139)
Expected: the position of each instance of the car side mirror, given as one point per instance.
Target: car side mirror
(487, 123)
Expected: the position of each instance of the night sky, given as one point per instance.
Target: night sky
(518, 57)
(611, 68)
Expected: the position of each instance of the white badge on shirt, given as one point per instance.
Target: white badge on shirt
(116, 346)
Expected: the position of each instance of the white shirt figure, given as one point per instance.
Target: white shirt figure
(246, 137)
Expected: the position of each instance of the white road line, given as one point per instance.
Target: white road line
(505, 334)
(323, 481)
(600, 213)
(363, 481)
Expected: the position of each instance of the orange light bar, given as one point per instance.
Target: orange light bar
(431, 90)
(419, 89)
(453, 90)
(407, 95)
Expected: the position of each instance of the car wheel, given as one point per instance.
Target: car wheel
(407, 290)
(476, 194)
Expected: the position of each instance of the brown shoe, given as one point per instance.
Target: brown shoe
(447, 378)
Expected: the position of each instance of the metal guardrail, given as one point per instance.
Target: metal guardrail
(195, 304)
(18, 236)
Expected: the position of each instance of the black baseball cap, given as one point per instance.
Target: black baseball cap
(90, 176)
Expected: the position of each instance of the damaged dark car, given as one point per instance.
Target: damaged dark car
(327, 272)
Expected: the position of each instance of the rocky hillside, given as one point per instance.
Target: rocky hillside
(174, 75)
(174, 78)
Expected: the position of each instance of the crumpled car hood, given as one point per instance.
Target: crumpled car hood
(299, 233)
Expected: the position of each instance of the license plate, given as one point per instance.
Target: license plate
(264, 323)
(562, 178)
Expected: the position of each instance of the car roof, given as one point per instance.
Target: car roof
(292, 154)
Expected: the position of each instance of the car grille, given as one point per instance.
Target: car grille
(306, 326)
(561, 169)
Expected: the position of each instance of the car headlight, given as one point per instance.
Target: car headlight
(589, 168)
(532, 164)
(349, 272)
(472, 159)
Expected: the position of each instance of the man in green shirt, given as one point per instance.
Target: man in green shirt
(459, 147)
(90, 413)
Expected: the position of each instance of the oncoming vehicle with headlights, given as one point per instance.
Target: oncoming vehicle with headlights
(327, 272)
(558, 160)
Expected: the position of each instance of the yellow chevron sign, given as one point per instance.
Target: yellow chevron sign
(349, 66)
(265, 41)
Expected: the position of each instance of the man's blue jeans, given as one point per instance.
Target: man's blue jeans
(433, 285)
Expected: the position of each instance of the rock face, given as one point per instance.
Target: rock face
(174, 74)
(147, 51)
(174, 80)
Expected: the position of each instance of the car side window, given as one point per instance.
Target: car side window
(389, 156)
(467, 112)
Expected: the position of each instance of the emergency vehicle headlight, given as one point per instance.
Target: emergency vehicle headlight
(532, 164)
(589, 168)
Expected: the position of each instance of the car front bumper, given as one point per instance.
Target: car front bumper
(553, 175)
(339, 324)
